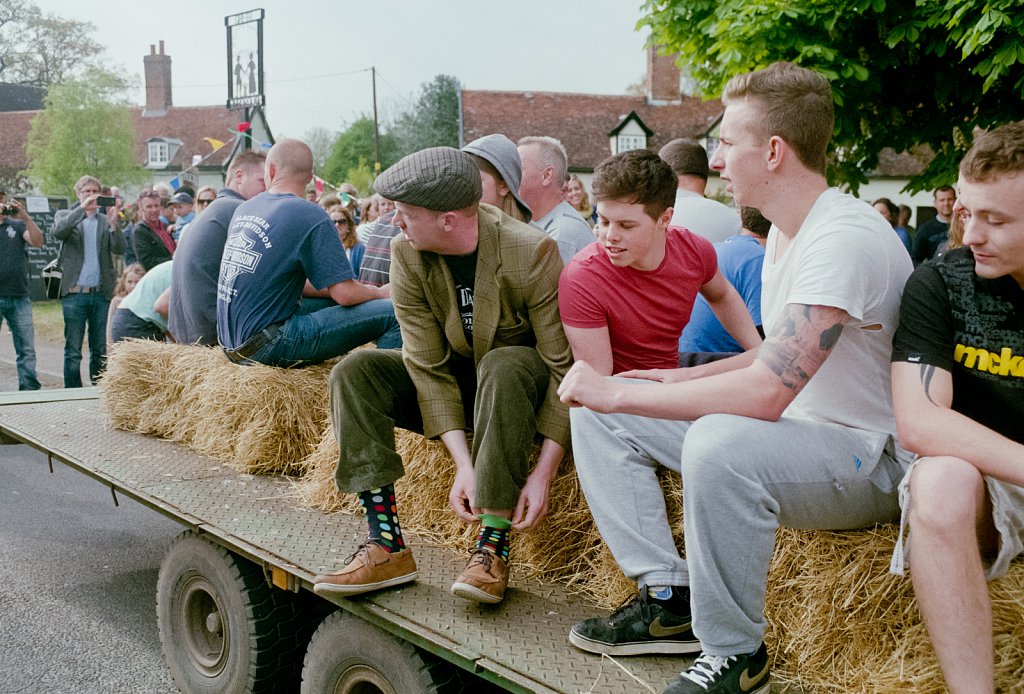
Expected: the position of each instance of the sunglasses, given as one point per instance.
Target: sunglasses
(205, 201)
(340, 222)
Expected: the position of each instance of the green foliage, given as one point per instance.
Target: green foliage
(354, 148)
(361, 177)
(43, 49)
(434, 120)
(86, 128)
(15, 182)
(904, 72)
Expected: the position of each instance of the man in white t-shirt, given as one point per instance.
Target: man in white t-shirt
(708, 218)
(798, 432)
(545, 163)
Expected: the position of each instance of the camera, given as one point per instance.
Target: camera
(106, 201)
(9, 210)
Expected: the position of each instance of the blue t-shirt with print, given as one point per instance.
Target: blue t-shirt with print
(275, 242)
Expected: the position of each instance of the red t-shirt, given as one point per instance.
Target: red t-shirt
(644, 310)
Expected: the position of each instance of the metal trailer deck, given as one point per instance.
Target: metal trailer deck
(519, 645)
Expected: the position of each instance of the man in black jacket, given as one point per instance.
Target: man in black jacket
(89, 242)
(153, 243)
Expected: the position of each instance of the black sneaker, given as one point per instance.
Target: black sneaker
(717, 674)
(641, 626)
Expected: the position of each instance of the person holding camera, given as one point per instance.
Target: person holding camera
(89, 242)
(16, 230)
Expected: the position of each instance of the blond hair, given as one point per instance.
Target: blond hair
(796, 105)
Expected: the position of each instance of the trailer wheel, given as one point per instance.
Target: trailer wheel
(222, 628)
(348, 655)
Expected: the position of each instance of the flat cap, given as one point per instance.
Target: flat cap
(438, 178)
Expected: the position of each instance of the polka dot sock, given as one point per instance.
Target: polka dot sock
(494, 535)
(382, 517)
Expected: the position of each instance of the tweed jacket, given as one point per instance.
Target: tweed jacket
(67, 228)
(515, 303)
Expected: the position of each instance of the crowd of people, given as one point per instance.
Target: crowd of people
(787, 360)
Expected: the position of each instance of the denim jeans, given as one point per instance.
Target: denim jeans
(125, 324)
(81, 311)
(17, 311)
(319, 335)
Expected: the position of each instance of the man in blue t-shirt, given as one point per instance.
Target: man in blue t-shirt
(16, 230)
(281, 248)
(193, 303)
(740, 258)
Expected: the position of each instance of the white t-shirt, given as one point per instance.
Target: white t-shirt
(846, 256)
(708, 218)
(565, 225)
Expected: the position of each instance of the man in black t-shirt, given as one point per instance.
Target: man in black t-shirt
(958, 393)
(931, 235)
(16, 230)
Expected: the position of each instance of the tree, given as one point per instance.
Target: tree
(355, 143)
(321, 142)
(361, 177)
(85, 128)
(904, 73)
(43, 49)
(434, 120)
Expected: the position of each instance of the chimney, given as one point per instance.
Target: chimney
(662, 78)
(158, 81)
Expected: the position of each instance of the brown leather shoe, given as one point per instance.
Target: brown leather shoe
(484, 579)
(370, 567)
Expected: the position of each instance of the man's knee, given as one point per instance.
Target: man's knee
(709, 451)
(946, 493)
(509, 366)
(364, 368)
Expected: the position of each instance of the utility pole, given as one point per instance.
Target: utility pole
(376, 132)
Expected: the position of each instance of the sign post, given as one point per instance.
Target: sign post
(245, 63)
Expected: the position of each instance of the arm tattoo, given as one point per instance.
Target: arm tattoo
(927, 372)
(801, 343)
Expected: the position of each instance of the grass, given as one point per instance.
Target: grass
(48, 319)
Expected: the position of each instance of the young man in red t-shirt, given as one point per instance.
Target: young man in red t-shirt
(625, 300)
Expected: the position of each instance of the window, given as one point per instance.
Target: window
(711, 144)
(628, 142)
(158, 153)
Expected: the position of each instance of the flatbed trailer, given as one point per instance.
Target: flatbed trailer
(235, 605)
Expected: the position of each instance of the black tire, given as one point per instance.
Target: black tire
(222, 628)
(348, 655)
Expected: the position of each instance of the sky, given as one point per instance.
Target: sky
(317, 56)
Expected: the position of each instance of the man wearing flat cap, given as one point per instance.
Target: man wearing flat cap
(475, 293)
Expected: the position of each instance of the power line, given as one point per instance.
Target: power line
(282, 81)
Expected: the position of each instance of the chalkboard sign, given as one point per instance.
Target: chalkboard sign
(41, 210)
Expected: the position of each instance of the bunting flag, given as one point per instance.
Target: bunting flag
(175, 183)
(244, 126)
(216, 144)
(319, 183)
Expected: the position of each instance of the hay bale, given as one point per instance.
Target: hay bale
(840, 622)
(837, 621)
(258, 419)
(561, 548)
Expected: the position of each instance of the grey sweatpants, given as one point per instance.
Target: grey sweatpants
(742, 478)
